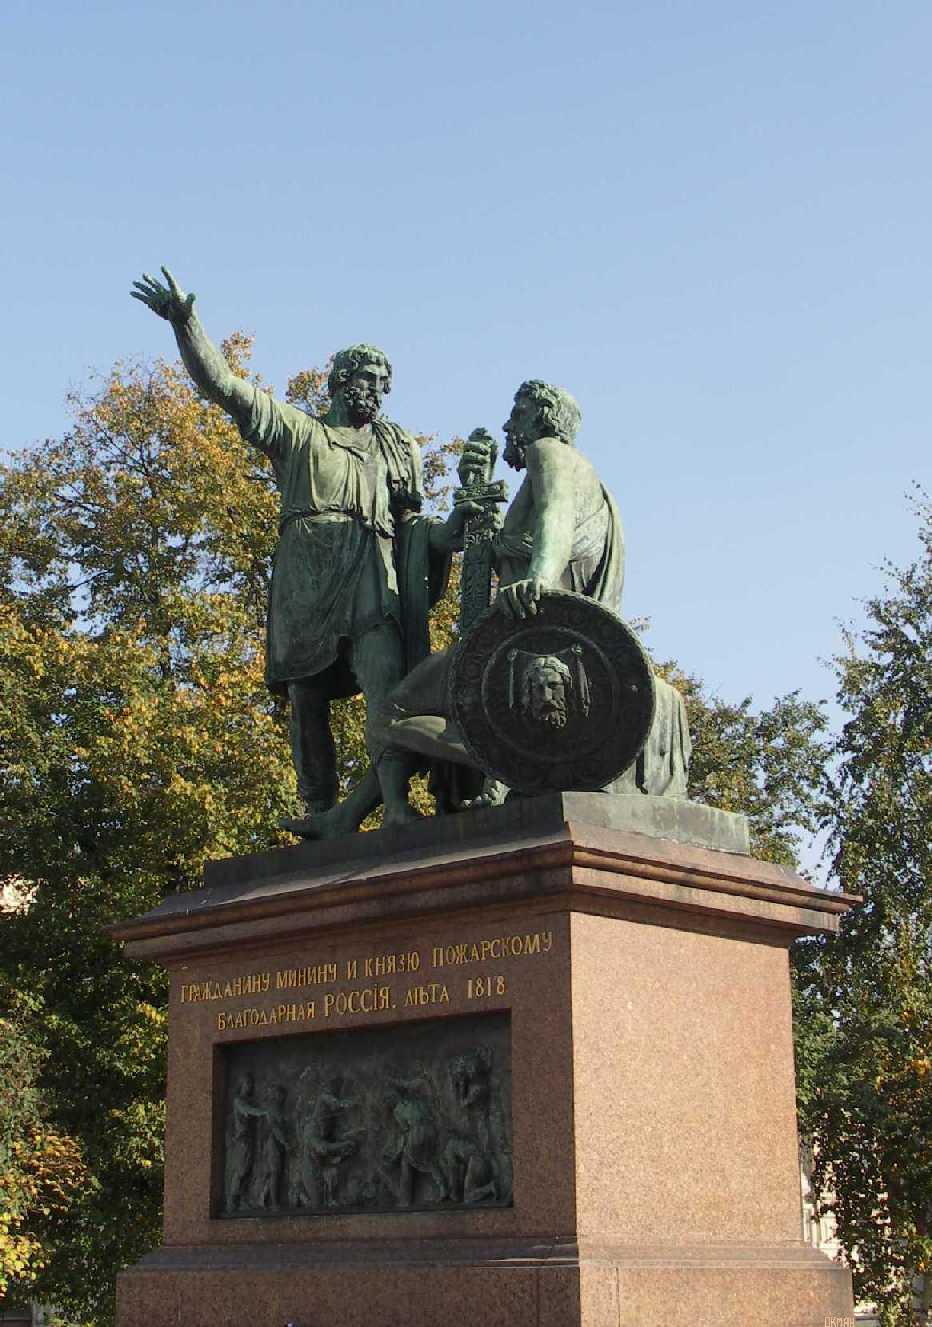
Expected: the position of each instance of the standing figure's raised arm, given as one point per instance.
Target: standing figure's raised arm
(210, 371)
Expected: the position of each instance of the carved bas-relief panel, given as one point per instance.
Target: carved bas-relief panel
(380, 1119)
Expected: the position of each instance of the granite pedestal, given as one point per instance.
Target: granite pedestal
(636, 989)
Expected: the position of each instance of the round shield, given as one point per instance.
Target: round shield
(563, 700)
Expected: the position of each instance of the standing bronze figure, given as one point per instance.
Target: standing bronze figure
(357, 566)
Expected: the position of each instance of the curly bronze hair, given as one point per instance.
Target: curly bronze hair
(346, 362)
(558, 413)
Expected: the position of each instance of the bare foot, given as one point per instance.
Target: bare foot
(401, 813)
(333, 824)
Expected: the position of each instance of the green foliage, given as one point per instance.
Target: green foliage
(40, 1168)
(865, 999)
(770, 765)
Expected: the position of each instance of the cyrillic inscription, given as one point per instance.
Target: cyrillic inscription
(502, 946)
(378, 995)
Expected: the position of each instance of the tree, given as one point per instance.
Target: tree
(865, 998)
(138, 740)
(40, 1169)
(768, 765)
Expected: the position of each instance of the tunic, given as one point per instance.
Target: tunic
(349, 557)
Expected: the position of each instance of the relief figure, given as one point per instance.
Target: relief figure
(547, 688)
(324, 1150)
(241, 1147)
(274, 1155)
(478, 1155)
(414, 1147)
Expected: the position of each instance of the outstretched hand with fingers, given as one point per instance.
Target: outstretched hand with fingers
(168, 301)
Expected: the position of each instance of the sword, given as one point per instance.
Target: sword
(479, 531)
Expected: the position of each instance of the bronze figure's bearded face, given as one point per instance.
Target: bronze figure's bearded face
(520, 429)
(546, 690)
(362, 377)
(363, 394)
(539, 411)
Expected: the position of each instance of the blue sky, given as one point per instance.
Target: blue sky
(709, 221)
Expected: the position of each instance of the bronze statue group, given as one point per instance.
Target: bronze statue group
(359, 565)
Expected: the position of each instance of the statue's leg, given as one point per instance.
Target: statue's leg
(416, 717)
(312, 749)
(315, 764)
(377, 659)
(378, 662)
(345, 817)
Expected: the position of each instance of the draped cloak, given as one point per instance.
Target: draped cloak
(352, 551)
(597, 559)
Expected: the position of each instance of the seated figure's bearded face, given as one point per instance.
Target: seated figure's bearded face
(520, 429)
(546, 684)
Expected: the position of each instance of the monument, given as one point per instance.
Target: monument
(529, 1061)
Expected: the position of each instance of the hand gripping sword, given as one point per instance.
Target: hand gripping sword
(479, 531)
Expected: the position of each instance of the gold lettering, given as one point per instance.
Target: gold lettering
(387, 965)
(246, 984)
(501, 946)
(228, 1019)
(480, 988)
(434, 993)
(352, 968)
(360, 1000)
(317, 974)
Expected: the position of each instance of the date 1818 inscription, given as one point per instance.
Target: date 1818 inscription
(380, 1119)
